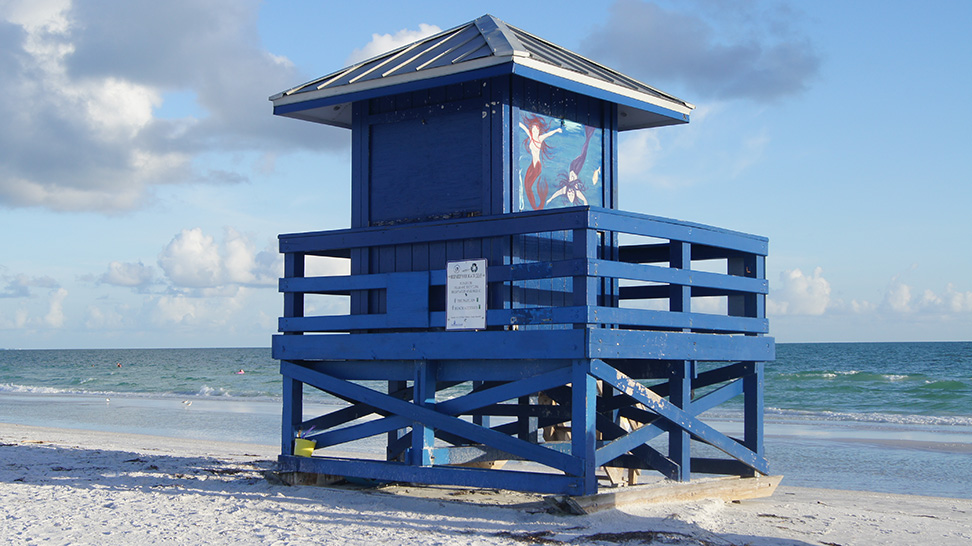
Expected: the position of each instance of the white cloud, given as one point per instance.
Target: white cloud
(82, 82)
(55, 312)
(18, 286)
(382, 43)
(128, 274)
(194, 260)
(956, 301)
(176, 309)
(220, 309)
(799, 294)
(899, 299)
(36, 315)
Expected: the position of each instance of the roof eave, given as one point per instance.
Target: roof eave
(637, 110)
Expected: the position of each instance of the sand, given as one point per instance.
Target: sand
(62, 486)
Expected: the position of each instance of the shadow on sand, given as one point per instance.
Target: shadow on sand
(244, 477)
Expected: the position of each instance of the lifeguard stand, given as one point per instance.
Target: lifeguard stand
(599, 336)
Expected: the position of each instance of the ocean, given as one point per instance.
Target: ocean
(887, 417)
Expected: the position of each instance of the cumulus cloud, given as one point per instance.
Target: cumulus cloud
(799, 294)
(55, 311)
(18, 286)
(382, 43)
(83, 83)
(128, 274)
(750, 50)
(194, 260)
(899, 298)
(37, 316)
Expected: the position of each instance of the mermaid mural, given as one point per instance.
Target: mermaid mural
(537, 133)
(569, 158)
(571, 186)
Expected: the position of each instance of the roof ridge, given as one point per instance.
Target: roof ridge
(499, 37)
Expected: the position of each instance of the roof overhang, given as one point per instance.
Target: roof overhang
(329, 100)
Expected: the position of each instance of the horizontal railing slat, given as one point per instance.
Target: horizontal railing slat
(642, 318)
(326, 243)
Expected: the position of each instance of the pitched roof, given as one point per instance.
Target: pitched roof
(482, 48)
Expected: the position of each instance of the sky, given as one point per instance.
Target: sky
(144, 179)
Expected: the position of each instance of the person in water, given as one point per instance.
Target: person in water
(537, 133)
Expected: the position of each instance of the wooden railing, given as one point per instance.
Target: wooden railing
(567, 268)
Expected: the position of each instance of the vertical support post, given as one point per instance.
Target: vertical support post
(747, 305)
(293, 391)
(760, 273)
(293, 413)
(679, 440)
(527, 426)
(423, 437)
(293, 301)
(585, 287)
(481, 420)
(680, 295)
(583, 425)
(397, 434)
(753, 408)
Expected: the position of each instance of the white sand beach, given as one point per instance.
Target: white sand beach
(62, 486)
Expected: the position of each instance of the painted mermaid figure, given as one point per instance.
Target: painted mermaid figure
(537, 133)
(571, 185)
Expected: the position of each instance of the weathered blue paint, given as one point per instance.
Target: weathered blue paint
(576, 319)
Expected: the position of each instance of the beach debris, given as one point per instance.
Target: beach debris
(303, 434)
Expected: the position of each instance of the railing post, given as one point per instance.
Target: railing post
(748, 305)
(680, 296)
(585, 286)
(293, 301)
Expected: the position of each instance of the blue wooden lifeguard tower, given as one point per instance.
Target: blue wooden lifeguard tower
(502, 306)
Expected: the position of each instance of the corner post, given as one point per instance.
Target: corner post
(753, 408)
(583, 414)
(585, 286)
(293, 413)
(749, 304)
(293, 268)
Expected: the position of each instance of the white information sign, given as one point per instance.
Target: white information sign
(466, 295)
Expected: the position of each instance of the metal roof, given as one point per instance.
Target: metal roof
(486, 46)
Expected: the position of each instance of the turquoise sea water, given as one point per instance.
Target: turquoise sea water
(893, 417)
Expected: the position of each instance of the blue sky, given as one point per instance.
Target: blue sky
(143, 179)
